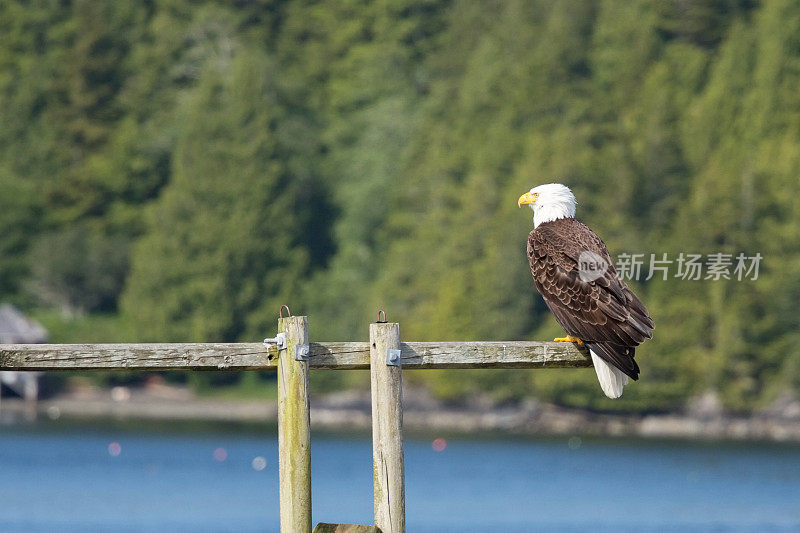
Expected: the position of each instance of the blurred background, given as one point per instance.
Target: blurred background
(175, 170)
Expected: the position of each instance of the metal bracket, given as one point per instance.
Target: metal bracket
(279, 341)
(301, 352)
(392, 357)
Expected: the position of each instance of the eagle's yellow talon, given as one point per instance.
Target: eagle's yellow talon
(569, 338)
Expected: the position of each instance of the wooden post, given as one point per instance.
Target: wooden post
(387, 430)
(294, 434)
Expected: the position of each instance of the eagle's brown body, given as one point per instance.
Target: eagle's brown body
(602, 312)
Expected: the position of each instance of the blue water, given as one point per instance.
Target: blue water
(66, 479)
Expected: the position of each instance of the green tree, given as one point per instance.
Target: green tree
(221, 252)
(77, 269)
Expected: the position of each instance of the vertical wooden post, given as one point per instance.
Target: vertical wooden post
(294, 434)
(387, 430)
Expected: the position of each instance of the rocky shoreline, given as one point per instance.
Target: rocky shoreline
(351, 410)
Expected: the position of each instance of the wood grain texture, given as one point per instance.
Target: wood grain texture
(387, 430)
(254, 356)
(294, 430)
(345, 528)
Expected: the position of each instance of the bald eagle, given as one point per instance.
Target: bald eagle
(573, 272)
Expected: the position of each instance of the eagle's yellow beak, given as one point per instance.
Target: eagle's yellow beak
(527, 199)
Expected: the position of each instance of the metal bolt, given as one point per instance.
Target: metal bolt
(301, 352)
(392, 357)
(279, 341)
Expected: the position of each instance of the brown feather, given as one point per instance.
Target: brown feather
(604, 313)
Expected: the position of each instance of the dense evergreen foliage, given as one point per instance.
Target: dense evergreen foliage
(188, 165)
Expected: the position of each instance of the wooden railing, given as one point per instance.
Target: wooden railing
(293, 360)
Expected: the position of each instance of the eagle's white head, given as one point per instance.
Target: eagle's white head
(549, 202)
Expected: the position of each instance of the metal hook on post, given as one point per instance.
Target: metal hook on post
(280, 313)
(381, 312)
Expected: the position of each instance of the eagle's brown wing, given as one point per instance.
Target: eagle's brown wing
(602, 312)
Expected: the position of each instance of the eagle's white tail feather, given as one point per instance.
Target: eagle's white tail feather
(612, 379)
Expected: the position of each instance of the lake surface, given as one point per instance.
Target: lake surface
(107, 478)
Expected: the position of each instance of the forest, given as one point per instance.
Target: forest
(175, 170)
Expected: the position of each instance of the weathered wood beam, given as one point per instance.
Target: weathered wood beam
(345, 528)
(254, 356)
(177, 356)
